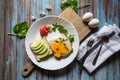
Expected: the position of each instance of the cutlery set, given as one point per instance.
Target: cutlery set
(90, 48)
(89, 44)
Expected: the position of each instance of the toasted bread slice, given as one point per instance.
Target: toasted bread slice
(41, 53)
(63, 41)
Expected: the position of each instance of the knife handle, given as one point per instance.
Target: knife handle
(27, 69)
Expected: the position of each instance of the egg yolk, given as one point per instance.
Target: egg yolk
(59, 48)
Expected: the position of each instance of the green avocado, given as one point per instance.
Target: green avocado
(44, 55)
(42, 50)
(35, 43)
(38, 47)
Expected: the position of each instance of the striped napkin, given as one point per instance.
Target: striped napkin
(108, 49)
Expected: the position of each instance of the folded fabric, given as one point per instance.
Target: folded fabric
(108, 49)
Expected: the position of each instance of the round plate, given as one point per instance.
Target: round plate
(33, 33)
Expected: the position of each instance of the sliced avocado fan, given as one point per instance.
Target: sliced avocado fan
(39, 48)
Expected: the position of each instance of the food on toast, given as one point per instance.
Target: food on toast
(40, 48)
(61, 46)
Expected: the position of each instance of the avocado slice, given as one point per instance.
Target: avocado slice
(43, 51)
(40, 46)
(39, 50)
(43, 55)
(35, 43)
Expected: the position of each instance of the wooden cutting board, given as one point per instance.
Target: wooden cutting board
(76, 20)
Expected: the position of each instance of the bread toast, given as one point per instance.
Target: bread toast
(66, 48)
(43, 53)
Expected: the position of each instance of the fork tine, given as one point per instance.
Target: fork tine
(90, 42)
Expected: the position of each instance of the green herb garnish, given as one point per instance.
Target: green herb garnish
(69, 3)
(71, 38)
(60, 28)
(52, 29)
(20, 29)
(73, 4)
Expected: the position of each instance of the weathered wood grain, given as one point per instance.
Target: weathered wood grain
(13, 41)
(12, 50)
(113, 17)
(101, 14)
(2, 28)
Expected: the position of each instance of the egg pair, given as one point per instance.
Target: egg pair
(92, 22)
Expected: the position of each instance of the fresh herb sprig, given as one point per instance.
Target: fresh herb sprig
(62, 30)
(73, 4)
(20, 30)
(69, 3)
(71, 38)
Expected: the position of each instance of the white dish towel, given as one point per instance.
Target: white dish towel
(108, 49)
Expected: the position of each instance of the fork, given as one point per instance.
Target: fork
(104, 39)
(82, 60)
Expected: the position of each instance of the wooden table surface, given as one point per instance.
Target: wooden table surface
(12, 49)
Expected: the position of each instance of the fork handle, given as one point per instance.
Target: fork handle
(96, 57)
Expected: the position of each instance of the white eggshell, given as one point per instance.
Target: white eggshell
(93, 23)
(87, 16)
(33, 18)
(42, 13)
(48, 7)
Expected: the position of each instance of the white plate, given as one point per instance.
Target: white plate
(51, 63)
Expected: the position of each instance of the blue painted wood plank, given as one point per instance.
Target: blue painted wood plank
(76, 72)
(44, 4)
(7, 44)
(73, 71)
(20, 42)
(30, 6)
(84, 75)
(2, 29)
(60, 74)
(101, 15)
(113, 17)
(57, 7)
(13, 21)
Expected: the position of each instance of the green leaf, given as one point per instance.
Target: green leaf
(21, 29)
(70, 3)
(73, 4)
(71, 38)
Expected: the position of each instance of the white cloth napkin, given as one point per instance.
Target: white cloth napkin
(108, 49)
